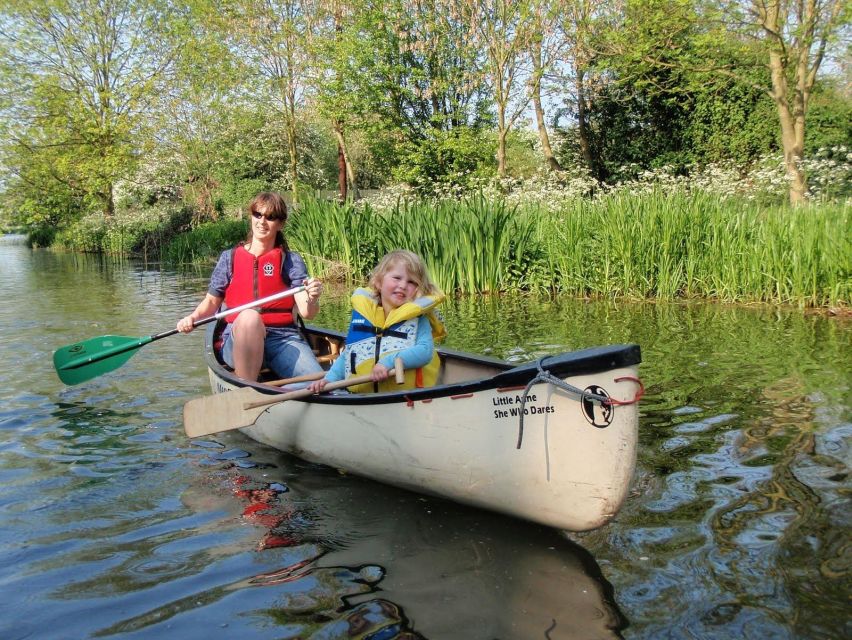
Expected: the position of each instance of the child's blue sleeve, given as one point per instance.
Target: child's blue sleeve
(338, 367)
(420, 354)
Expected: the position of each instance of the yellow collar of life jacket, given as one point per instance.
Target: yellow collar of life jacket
(367, 304)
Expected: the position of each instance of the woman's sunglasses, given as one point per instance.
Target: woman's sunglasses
(258, 215)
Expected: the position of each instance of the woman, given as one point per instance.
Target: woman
(262, 266)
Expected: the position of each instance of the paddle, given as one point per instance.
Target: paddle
(81, 361)
(242, 407)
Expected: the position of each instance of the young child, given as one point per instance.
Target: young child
(395, 318)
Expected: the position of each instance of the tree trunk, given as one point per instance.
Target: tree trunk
(501, 152)
(583, 133)
(294, 157)
(109, 201)
(342, 191)
(502, 132)
(792, 141)
(346, 175)
(792, 129)
(549, 158)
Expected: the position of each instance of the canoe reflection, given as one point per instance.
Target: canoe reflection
(444, 571)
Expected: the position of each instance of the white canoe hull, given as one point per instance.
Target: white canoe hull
(572, 471)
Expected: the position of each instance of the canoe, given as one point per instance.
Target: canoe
(552, 441)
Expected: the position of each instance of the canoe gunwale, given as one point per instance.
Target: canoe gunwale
(583, 362)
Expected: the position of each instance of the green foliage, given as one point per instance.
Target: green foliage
(234, 195)
(829, 119)
(41, 236)
(631, 131)
(523, 155)
(202, 109)
(80, 81)
(131, 231)
(453, 157)
(673, 244)
(731, 123)
(204, 241)
(330, 234)
(468, 245)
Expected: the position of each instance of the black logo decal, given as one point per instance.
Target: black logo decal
(598, 415)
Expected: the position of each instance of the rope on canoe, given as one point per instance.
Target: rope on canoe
(545, 376)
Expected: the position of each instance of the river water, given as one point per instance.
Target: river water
(114, 525)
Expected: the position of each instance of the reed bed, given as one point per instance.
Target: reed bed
(670, 245)
(468, 245)
(664, 244)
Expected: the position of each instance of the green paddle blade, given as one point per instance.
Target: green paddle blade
(81, 361)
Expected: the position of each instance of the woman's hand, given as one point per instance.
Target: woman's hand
(185, 324)
(313, 287)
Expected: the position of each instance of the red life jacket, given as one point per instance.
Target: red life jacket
(257, 277)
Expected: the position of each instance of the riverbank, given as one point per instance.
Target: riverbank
(652, 245)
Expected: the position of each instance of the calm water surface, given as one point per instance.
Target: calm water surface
(113, 524)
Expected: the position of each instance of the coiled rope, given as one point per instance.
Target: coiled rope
(544, 375)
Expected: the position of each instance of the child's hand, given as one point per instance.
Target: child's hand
(317, 385)
(380, 372)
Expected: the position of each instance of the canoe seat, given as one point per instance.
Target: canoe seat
(326, 350)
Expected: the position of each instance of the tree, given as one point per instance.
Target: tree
(272, 36)
(793, 35)
(187, 149)
(544, 50)
(331, 47)
(401, 75)
(83, 74)
(783, 41)
(504, 30)
(581, 22)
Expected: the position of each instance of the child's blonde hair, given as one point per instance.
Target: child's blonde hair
(413, 265)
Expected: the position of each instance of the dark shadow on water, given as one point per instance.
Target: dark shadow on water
(357, 559)
(455, 572)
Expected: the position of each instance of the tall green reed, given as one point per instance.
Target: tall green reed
(665, 244)
(466, 245)
(679, 244)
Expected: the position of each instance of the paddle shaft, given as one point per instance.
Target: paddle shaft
(331, 386)
(227, 312)
(103, 354)
(308, 377)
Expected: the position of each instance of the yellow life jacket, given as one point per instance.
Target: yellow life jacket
(372, 336)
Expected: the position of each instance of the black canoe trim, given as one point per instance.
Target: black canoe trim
(572, 363)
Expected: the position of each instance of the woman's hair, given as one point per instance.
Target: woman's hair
(271, 204)
(413, 265)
